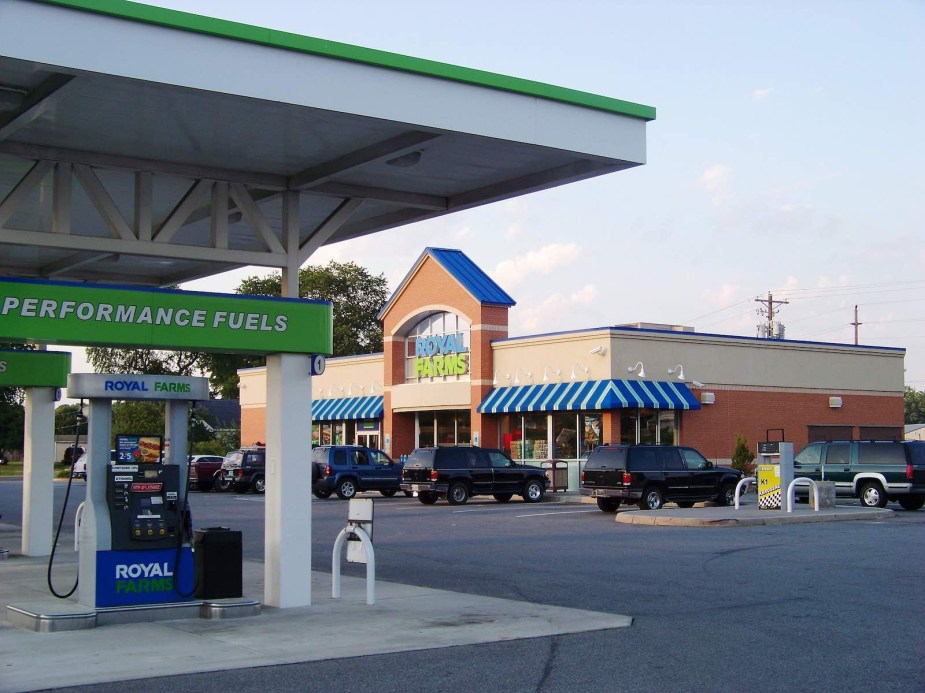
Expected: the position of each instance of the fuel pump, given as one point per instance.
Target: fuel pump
(134, 533)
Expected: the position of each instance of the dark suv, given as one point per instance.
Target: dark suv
(348, 469)
(869, 470)
(244, 470)
(456, 473)
(652, 475)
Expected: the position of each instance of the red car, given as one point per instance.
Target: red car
(202, 471)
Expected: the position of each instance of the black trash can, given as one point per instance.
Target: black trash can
(217, 562)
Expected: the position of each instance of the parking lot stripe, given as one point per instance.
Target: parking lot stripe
(559, 512)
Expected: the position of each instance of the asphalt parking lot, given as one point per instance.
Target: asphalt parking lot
(709, 605)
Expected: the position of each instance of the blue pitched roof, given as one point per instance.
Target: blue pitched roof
(482, 287)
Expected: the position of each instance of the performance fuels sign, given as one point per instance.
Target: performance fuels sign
(68, 313)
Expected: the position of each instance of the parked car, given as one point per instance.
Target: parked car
(652, 475)
(79, 470)
(202, 471)
(69, 455)
(244, 470)
(874, 472)
(348, 469)
(458, 473)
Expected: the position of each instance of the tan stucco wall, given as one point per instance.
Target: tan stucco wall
(714, 361)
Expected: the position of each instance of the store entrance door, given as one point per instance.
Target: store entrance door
(369, 440)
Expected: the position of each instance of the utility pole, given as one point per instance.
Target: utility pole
(767, 310)
(856, 325)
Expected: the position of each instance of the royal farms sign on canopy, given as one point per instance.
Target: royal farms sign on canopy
(81, 314)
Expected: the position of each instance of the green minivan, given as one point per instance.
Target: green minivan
(873, 471)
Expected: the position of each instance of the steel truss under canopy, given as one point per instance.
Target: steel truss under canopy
(146, 146)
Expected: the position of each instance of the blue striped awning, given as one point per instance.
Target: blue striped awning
(590, 395)
(347, 408)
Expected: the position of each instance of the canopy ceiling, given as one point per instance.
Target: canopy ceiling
(146, 146)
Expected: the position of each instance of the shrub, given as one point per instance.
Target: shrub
(743, 458)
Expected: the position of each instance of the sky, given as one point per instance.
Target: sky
(785, 158)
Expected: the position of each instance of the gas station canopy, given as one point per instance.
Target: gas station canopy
(146, 146)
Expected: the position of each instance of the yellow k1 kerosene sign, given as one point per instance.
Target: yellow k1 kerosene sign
(68, 313)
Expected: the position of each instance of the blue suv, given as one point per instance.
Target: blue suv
(348, 469)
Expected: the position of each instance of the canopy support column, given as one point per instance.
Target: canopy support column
(38, 471)
(288, 524)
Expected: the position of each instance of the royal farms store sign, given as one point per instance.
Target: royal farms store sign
(68, 313)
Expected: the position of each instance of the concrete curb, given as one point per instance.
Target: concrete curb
(747, 517)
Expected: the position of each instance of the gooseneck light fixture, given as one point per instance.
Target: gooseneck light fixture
(679, 369)
(576, 367)
(642, 369)
(527, 374)
(555, 371)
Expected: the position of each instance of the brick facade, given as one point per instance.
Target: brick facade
(431, 288)
(713, 429)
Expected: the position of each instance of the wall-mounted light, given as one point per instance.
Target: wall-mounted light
(361, 388)
(642, 369)
(599, 350)
(578, 366)
(555, 371)
(372, 388)
(707, 398)
(835, 402)
(679, 369)
(527, 374)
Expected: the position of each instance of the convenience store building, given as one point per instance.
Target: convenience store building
(451, 374)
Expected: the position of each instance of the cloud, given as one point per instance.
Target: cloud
(724, 296)
(715, 180)
(555, 309)
(761, 94)
(535, 263)
(585, 295)
(515, 205)
(514, 230)
(463, 233)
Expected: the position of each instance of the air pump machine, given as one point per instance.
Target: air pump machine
(134, 543)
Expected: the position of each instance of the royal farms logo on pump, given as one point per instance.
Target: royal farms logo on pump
(441, 355)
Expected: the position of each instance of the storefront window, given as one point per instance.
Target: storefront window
(667, 428)
(648, 427)
(629, 421)
(444, 428)
(426, 430)
(591, 426)
(565, 440)
(511, 433)
(437, 349)
(535, 445)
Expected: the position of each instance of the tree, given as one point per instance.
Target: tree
(137, 417)
(13, 395)
(914, 405)
(12, 421)
(66, 422)
(742, 456)
(357, 295)
(144, 361)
